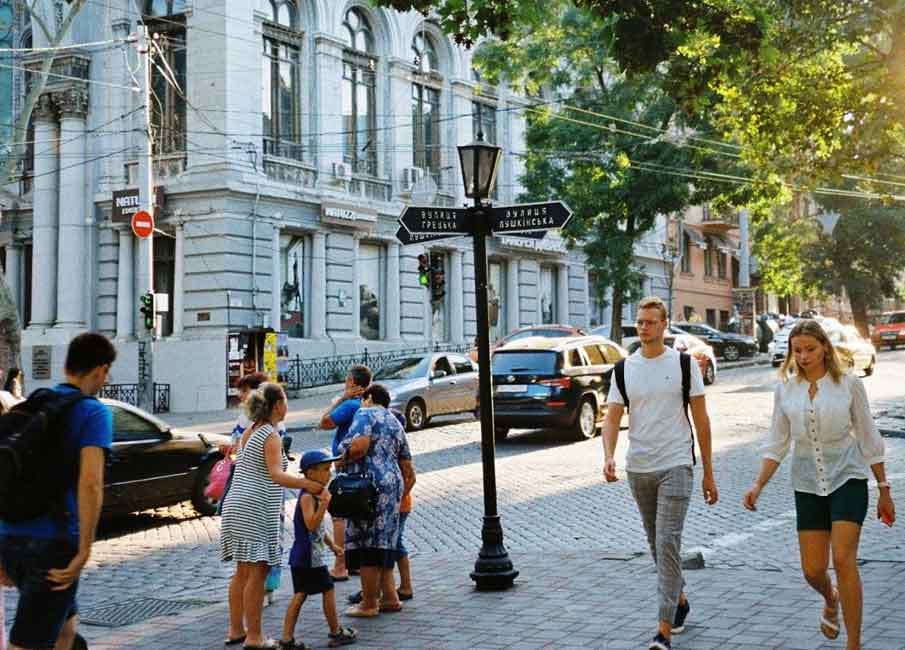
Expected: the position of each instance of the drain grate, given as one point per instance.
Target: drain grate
(135, 611)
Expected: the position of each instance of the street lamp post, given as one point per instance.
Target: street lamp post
(480, 162)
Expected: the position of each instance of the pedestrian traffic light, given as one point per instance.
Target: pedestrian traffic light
(147, 309)
(438, 280)
(424, 278)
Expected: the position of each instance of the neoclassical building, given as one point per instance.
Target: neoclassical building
(287, 137)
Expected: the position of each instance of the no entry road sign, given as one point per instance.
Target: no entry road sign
(529, 217)
(436, 221)
(142, 224)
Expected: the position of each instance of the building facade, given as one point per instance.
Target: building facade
(287, 138)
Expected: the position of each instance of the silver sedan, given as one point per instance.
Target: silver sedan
(424, 386)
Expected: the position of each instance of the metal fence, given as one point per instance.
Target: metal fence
(129, 393)
(321, 371)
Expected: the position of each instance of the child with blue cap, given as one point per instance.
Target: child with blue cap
(308, 558)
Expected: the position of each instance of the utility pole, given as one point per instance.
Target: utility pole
(145, 272)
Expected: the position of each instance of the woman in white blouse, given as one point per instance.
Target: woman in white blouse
(826, 413)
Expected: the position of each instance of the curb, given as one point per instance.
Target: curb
(748, 363)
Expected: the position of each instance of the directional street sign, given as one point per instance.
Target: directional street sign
(529, 217)
(406, 238)
(436, 221)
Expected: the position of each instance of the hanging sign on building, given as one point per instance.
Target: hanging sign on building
(347, 215)
(557, 246)
(126, 204)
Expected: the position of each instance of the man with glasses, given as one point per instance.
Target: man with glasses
(44, 556)
(660, 453)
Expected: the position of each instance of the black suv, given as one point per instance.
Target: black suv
(725, 344)
(557, 383)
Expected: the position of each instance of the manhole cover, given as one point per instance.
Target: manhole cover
(134, 611)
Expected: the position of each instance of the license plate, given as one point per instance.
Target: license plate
(515, 388)
(888, 335)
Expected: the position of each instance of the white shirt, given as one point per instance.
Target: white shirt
(835, 434)
(659, 435)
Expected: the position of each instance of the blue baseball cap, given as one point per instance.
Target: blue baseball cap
(314, 457)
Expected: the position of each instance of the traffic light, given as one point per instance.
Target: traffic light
(438, 280)
(147, 309)
(424, 278)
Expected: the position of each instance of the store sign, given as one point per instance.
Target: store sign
(126, 204)
(551, 246)
(344, 215)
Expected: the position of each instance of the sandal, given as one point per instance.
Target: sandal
(345, 636)
(236, 641)
(829, 621)
(358, 612)
(343, 577)
(404, 596)
(269, 644)
(355, 598)
(292, 645)
(390, 607)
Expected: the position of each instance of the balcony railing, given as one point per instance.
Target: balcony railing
(322, 371)
(718, 221)
(166, 166)
(283, 149)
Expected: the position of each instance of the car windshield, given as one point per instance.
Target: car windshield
(892, 319)
(533, 362)
(544, 332)
(405, 369)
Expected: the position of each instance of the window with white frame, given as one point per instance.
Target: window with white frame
(371, 265)
(281, 84)
(359, 94)
(438, 296)
(165, 20)
(426, 107)
(496, 303)
(547, 290)
(295, 252)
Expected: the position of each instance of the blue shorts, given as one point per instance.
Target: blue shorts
(400, 547)
(40, 613)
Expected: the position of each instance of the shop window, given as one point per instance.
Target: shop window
(547, 294)
(164, 279)
(495, 303)
(438, 297)
(688, 311)
(711, 317)
(294, 264)
(724, 320)
(371, 264)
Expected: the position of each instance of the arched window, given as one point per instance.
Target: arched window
(168, 108)
(359, 94)
(280, 75)
(7, 40)
(426, 107)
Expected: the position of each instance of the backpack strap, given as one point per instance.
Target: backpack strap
(685, 363)
(619, 374)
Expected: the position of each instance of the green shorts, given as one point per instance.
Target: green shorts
(847, 503)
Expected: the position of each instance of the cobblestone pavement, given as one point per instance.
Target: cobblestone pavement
(559, 519)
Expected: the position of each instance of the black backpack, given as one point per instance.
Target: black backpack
(685, 364)
(34, 469)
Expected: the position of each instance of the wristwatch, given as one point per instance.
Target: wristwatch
(883, 484)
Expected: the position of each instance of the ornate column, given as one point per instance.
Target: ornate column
(276, 286)
(125, 294)
(562, 294)
(318, 299)
(356, 292)
(71, 277)
(456, 298)
(178, 305)
(513, 306)
(394, 289)
(14, 272)
(44, 220)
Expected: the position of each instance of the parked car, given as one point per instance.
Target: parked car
(856, 352)
(559, 383)
(780, 345)
(889, 331)
(153, 466)
(692, 345)
(629, 330)
(423, 386)
(545, 331)
(729, 346)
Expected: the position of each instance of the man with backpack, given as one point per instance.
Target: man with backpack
(52, 455)
(657, 385)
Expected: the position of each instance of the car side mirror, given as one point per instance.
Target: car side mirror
(438, 374)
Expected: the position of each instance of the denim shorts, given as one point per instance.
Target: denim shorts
(40, 613)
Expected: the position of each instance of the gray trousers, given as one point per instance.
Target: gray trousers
(663, 499)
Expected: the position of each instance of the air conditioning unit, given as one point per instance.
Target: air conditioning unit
(342, 171)
(410, 176)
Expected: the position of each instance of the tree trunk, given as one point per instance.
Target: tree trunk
(616, 321)
(859, 311)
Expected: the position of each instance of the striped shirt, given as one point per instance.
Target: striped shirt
(835, 435)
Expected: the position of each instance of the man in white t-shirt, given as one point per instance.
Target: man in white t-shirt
(660, 455)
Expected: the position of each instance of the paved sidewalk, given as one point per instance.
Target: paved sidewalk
(562, 601)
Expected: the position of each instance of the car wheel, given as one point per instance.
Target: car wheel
(870, 368)
(586, 420)
(709, 374)
(415, 415)
(500, 433)
(731, 353)
(205, 506)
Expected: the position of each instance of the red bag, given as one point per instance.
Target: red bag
(219, 476)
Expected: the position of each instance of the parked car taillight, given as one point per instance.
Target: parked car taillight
(563, 382)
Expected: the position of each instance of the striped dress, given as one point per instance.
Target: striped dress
(250, 529)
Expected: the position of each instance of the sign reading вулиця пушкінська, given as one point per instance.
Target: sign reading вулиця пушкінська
(513, 219)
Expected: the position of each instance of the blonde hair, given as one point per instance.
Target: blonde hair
(654, 302)
(261, 402)
(812, 328)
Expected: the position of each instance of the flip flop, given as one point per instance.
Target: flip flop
(236, 641)
(358, 612)
(404, 596)
(391, 607)
(339, 578)
(829, 623)
(269, 644)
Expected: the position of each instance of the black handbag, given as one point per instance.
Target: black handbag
(353, 496)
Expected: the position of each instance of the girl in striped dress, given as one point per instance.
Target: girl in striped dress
(250, 527)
